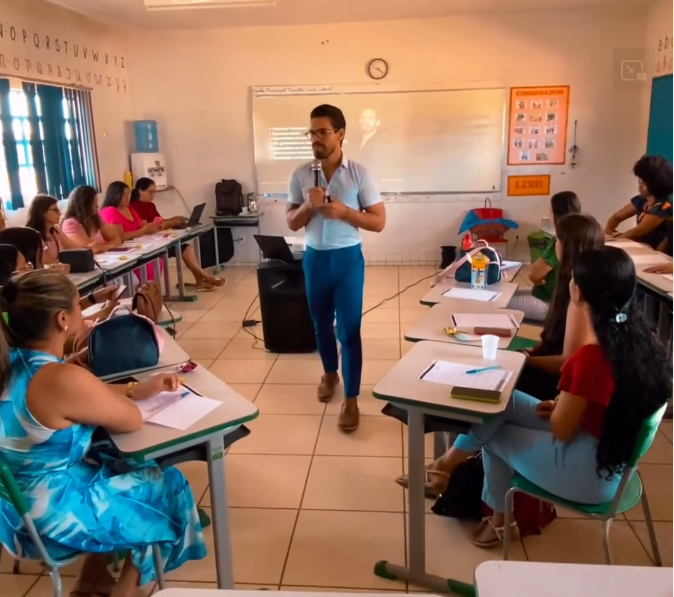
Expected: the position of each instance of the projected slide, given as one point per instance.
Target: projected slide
(413, 142)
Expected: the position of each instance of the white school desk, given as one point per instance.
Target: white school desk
(248, 220)
(85, 279)
(432, 325)
(171, 356)
(434, 295)
(153, 441)
(217, 593)
(402, 387)
(180, 238)
(530, 579)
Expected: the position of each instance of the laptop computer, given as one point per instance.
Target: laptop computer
(195, 217)
(276, 247)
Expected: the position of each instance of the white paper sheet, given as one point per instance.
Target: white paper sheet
(624, 244)
(668, 277)
(454, 374)
(177, 410)
(471, 294)
(649, 259)
(470, 321)
(510, 264)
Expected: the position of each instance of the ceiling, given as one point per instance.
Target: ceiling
(133, 14)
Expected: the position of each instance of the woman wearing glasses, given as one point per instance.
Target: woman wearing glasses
(44, 216)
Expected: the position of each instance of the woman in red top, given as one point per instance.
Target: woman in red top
(142, 201)
(576, 446)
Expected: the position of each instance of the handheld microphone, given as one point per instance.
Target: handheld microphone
(316, 168)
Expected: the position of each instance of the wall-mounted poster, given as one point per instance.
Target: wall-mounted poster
(537, 128)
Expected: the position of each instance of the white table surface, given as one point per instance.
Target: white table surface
(434, 295)
(402, 384)
(234, 408)
(531, 579)
(431, 326)
(83, 279)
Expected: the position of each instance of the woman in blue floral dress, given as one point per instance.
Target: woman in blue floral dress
(81, 500)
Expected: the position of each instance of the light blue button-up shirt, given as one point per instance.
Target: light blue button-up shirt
(352, 184)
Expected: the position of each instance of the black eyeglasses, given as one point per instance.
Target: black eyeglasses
(320, 133)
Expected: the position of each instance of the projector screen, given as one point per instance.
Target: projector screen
(413, 142)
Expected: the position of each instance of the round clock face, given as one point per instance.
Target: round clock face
(377, 68)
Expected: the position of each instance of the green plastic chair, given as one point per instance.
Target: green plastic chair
(630, 491)
(10, 492)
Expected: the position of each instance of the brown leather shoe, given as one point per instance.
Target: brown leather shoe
(349, 417)
(326, 389)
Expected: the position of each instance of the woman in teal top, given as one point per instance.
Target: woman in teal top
(82, 498)
(534, 301)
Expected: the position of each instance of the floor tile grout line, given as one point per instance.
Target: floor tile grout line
(299, 509)
(646, 549)
(37, 580)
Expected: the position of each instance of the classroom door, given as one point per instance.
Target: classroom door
(660, 118)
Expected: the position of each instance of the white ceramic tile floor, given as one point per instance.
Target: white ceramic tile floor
(314, 509)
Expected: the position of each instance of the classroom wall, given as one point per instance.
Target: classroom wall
(39, 40)
(196, 85)
(659, 42)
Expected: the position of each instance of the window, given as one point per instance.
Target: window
(47, 142)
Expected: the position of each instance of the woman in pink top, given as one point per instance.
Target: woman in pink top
(44, 216)
(84, 226)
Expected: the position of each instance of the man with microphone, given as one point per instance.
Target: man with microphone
(333, 197)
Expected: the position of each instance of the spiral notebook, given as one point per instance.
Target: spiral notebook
(455, 374)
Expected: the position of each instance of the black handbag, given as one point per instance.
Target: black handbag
(80, 261)
(122, 343)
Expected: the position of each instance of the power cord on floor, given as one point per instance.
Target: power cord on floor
(247, 323)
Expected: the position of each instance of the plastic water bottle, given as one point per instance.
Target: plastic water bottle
(478, 272)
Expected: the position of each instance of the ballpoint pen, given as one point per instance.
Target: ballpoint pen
(473, 371)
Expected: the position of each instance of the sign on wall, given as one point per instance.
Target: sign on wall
(537, 126)
(39, 55)
(534, 185)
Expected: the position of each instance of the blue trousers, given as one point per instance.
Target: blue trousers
(518, 440)
(334, 282)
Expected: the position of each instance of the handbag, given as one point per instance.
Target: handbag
(148, 301)
(80, 261)
(461, 268)
(123, 342)
(463, 500)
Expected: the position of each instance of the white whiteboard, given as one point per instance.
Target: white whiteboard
(448, 141)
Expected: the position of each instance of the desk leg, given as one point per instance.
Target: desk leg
(185, 298)
(142, 272)
(416, 526)
(663, 323)
(218, 268)
(167, 277)
(219, 513)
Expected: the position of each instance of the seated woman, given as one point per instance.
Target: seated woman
(29, 243)
(534, 301)
(44, 216)
(142, 202)
(540, 376)
(49, 411)
(651, 206)
(82, 224)
(577, 446)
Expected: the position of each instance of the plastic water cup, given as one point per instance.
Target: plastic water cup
(489, 347)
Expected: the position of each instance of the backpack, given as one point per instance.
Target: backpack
(463, 500)
(464, 267)
(228, 198)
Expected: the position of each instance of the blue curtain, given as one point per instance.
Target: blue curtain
(58, 162)
(9, 147)
(36, 146)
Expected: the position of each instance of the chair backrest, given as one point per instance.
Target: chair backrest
(646, 435)
(9, 490)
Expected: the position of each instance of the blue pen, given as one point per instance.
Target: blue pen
(473, 371)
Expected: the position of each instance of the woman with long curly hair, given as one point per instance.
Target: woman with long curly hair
(83, 225)
(577, 446)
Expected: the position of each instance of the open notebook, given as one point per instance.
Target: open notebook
(455, 374)
(471, 294)
(178, 410)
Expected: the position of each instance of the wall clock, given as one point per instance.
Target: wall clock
(377, 68)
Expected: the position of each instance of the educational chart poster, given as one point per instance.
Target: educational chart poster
(537, 128)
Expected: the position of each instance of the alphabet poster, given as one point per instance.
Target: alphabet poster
(537, 126)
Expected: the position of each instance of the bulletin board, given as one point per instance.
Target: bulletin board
(537, 125)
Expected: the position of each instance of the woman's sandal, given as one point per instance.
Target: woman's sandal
(215, 281)
(432, 489)
(204, 286)
(498, 532)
